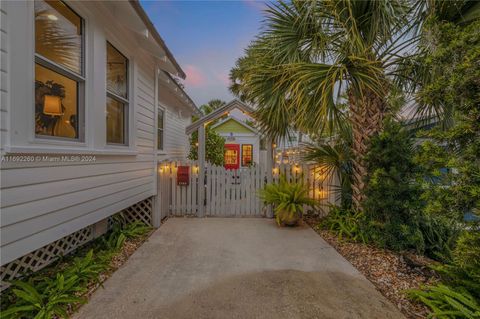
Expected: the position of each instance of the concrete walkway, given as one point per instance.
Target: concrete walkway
(236, 268)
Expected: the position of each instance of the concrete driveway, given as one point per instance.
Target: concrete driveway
(236, 268)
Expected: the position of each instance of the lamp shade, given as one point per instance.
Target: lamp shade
(52, 105)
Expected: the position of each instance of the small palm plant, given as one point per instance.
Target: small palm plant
(288, 199)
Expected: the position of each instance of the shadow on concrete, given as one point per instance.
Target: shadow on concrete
(281, 294)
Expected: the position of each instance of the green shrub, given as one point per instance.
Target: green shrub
(447, 302)
(214, 147)
(392, 195)
(459, 293)
(288, 199)
(439, 236)
(121, 231)
(347, 224)
(46, 299)
(52, 292)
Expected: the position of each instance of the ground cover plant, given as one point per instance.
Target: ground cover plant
(56, 291)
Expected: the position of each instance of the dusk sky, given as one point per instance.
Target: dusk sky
(206, 38)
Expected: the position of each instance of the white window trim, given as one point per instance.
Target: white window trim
(164, 109)
(126, 101)
(130, 145)
(22, 137)
(79, 78)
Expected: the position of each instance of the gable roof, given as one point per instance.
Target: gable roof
(230, 118)
(234, 104)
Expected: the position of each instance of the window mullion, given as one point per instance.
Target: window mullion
(117, 97)
(58, 68)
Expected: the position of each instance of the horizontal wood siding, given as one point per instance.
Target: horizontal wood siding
(42, 202)
(176, 143)
(4, 77)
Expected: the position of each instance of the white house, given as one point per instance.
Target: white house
(88, 108)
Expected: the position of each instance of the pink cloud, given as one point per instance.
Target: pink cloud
(256, 4)
(223, 78)
(195, 77)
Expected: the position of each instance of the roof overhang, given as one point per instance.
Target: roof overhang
(132, 16)
(234, 104)
(176, 89)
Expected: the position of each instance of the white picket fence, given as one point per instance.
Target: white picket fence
(233, 193)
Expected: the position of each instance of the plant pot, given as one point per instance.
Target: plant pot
(287, 220)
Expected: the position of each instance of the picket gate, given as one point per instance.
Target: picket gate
(233, 193)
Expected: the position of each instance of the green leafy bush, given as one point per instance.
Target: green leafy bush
(46, 299)
(347, 224)
(458, 295)
(439, 236)
(288, 199)
(52, 292)
(450, 160)
(395, 205)
(392, 196)
(447, 302)
(214, 147)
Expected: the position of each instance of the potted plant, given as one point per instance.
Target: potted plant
(288, 200)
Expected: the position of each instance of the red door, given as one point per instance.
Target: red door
(232, 156)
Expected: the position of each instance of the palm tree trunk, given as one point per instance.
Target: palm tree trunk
(366, 116)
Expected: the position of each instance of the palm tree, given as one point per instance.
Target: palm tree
(211, 106)
(334, 154)
(310, 53)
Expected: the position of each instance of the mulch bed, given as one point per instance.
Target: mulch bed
(392, 273)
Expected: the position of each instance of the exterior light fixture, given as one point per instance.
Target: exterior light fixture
(322, 194)
(52, 17)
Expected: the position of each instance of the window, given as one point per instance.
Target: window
(247, 154)
(160, 120)
(59, 81)
(230, 157)
(117, 96)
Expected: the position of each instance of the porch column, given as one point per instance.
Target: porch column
(201, 171)
(269, 168)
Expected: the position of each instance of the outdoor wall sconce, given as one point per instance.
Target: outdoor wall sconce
(322, 194)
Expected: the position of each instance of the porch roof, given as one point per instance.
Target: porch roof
(234, 104)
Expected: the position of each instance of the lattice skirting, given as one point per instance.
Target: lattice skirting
(38, 259)
(141, 211)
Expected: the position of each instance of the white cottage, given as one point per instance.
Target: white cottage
(88, 108)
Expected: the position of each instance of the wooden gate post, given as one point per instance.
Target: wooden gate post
(201, 171)
(269, 168)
